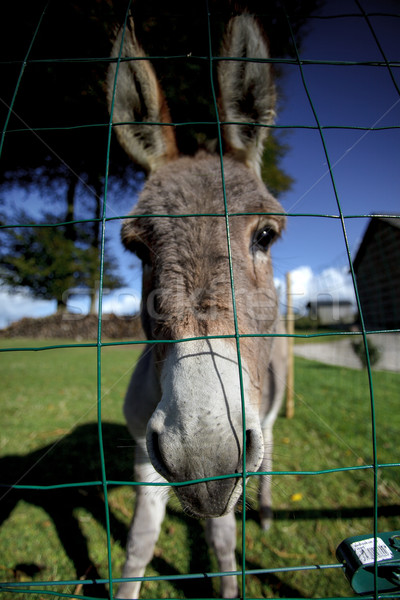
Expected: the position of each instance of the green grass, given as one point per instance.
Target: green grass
(48, 403)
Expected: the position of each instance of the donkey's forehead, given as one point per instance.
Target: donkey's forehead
(195, 185)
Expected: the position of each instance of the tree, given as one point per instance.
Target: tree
(42, 259)
(49, 141)
(55, 138)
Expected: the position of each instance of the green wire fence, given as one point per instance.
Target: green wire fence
(42, 588)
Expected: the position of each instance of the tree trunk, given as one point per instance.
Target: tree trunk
(61, 306)
(95, 243)
(94, 296)
(70, 232)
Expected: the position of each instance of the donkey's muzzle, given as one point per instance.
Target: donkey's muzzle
(215, 470)
(210, 499)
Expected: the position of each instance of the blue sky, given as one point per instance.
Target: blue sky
(365, 164)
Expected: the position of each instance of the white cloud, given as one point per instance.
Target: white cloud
(16, 305)
(331, 283)
(121, 302)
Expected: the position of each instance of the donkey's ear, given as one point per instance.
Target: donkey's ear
(247, 92)
(138, 98)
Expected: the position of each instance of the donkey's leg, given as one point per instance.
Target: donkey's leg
(221, 536)
(275, 385)
(145, 527)
(265, 494)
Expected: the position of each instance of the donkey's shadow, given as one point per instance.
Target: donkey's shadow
(76, 458)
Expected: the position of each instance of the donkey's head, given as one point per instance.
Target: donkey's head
(196, 430)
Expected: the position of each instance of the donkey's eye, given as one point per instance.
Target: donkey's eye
(263, 238)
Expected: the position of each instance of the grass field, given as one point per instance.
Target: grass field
(48, 403)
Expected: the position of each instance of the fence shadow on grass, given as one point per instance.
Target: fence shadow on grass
(75, 458)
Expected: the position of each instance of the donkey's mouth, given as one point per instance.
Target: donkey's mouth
(209, 499)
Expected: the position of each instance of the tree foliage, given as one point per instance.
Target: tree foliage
(42, 259)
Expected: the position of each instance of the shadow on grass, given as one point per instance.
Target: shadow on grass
(360, 512)
(75, 458)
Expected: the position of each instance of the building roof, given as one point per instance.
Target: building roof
(369, 232)
(330, 302)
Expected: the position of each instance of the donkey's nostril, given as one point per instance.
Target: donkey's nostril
(248, 440)
(156, 448)
(249, 447)
(254, 450)
(157, 456)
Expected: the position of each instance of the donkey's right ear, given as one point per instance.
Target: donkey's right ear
(136, 101)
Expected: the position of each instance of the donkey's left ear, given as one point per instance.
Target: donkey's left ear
(247, 92)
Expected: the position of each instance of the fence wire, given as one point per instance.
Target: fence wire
(42, 588)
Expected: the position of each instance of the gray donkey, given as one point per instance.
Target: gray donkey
(185, 407)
